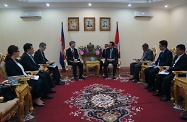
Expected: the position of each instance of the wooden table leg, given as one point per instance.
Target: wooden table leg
(87, 71)
(98, 66)
(21, 108)
(176, 93)
(26, 104)
(31, 109)
(185, 98)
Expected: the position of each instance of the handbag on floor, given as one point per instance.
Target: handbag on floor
(7, 92)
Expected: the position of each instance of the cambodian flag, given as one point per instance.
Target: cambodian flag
(116, 40)
(62, 47)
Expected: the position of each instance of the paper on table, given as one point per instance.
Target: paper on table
(163, 72)
(35, 77)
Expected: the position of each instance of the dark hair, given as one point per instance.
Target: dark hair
(163, 43)
(145, 45)
(181, 47)
(42, 44)
(27, 46)
(71, 42)
(112, 43)
(11, 49)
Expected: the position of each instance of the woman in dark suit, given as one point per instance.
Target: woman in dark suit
(14, 68)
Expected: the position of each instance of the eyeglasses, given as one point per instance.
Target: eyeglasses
(17, 51)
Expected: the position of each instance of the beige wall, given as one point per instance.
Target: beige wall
(133, 31)
(179, 25)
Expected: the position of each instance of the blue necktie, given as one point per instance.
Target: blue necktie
(161, 53)
(110, 53)
(32, 59)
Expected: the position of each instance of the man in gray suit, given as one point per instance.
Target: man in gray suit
(136, 66)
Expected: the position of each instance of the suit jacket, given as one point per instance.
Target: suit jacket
(181, 64)
(69, 55)
(39, 59)
(114, 54)
(12, 69)
(28, 63)
(165, 58)
(148, 56)
(104, 53)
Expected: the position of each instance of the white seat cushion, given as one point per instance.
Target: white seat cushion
(4, 107)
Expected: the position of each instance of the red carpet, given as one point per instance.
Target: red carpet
(56, 110)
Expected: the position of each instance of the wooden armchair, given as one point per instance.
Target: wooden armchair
(8, 109)
(180, 82)
(110, 66)
(145, 64)
(22, 91)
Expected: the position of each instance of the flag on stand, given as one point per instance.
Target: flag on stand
(62, 47)
(116, 40)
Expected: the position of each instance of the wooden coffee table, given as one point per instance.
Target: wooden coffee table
(92, 63)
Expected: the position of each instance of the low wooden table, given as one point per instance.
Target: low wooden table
(92, 63)
(25, 99)
(180, 82)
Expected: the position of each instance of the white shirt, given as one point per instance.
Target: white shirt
(179, 56)
(21, 68)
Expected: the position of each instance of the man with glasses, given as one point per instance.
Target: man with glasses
(40, 58)
(29, 64)
(135, 67)
(164, 59)
(163, 81)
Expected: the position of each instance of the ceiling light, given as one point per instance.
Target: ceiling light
(5, 5)
(129, 4)
(166, 6)
(89, 4)
(143, 13)
(47, 4)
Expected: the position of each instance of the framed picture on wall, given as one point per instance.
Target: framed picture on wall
(89, 23)
(73, 23)
(104, 23)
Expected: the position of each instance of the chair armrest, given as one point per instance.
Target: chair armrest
(145, 62)
(32, 72)
(1, 99)
(178, 72)
(119, 62)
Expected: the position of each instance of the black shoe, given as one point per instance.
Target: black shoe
(105, 76)
(47, 97)
(76, 78)
(52, 91)
(135, 80)
(183, 116)
(151, 89)
(113, 77)
(164, 98)
(60, 83)
(146, 87)
(157, 94)
(82, 77)
(131, 78)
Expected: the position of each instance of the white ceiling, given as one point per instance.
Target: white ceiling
(154, 4)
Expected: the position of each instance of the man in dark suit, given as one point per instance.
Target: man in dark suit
(103, 56)
(40, 58)
(165, 59)
(135, 67)
(73, 60)
(89, 24)
(111, 57)
(164, 81)
(29, 64)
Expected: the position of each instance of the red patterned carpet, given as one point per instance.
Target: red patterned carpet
(110, 101)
